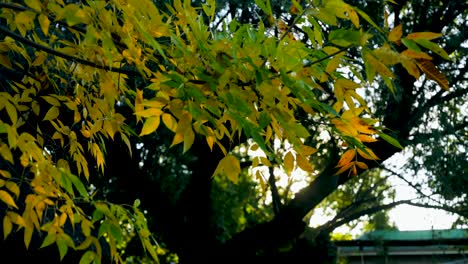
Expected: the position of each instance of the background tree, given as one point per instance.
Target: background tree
(88, 84)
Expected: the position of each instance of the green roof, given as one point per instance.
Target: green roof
(415, 235)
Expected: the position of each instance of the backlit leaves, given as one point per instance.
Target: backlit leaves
(229, 166)
(99, 66)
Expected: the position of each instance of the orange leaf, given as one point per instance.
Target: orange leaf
(362, 165)
(344, 168)
(433, 73)
(367, 154)
(424, 35)
(416, 54)
(411, 67)
(347, 157)
(396, 33)
(366, 138)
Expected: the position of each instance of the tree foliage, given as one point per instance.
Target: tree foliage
(84, 77)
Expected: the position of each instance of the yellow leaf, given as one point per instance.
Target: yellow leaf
(368, 154)
(7, 227)
(11, 110)
(139, 103)
(366, 138)
(169, 121)
(396, 33)
(347, 157)
(304, 163)
(260, 178)
(51, 100)
(16, 219)
(361, 126)
(28, 231)
(189, 138)
(150, 125)
(433, 73)
(6, 198)
(5, 173)
(178, 138)
(149, 112)
(307, 150)
(353, 16)
(44, 22)
(424, 35)
(34, 4)
(210, 140)
(230, 167)
(265, 161)
(288, 162)
(6, 153)
(13, 187)
(51, 114)
(377, 65)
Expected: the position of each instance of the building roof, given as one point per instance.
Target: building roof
(416, 235)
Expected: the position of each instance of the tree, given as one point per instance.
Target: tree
(122, 91)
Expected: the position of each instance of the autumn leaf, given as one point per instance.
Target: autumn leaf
(150, 125)
(288, 162)
(367, 153)
(230, 167)
(6, 198)
(433, 73)
(424, 35)
(347, 157)
(396, 33)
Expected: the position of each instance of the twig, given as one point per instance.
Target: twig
(28, 42)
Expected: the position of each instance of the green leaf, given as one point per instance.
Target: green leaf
(78, 185)
(49, 240)
(115, 232)
(433, 47)
(345, 37)
(87, 257)
(410, 44)
(62, 247)
(391, 140)
(369, 20)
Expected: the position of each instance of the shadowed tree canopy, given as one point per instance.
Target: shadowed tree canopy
(131, 129)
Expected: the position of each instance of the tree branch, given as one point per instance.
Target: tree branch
(417, 138)
(437, 99)
(28, 42)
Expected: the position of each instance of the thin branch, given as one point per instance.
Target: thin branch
(440, 207)
(28, 42)
(327, 57)
(220, 20)
(425, 136)
(412, 185)
(437, 99)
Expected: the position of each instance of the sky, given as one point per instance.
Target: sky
(405, 217)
